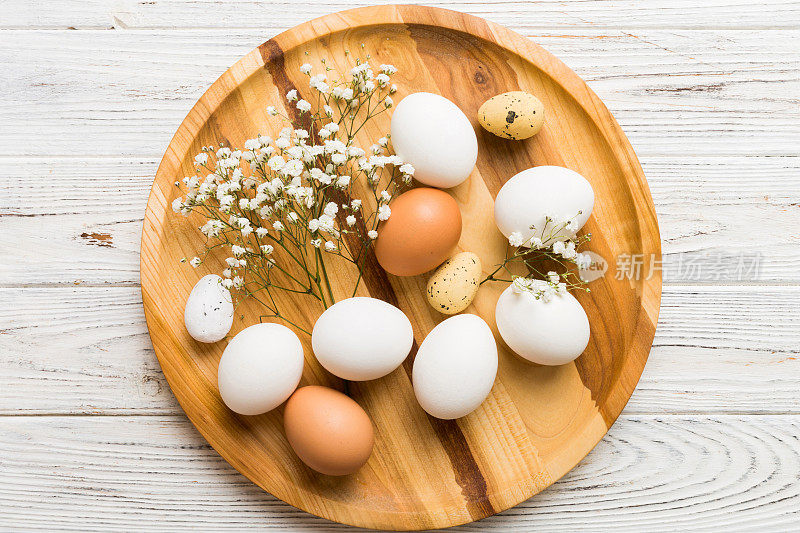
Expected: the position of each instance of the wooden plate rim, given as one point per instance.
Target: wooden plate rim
(498, 35)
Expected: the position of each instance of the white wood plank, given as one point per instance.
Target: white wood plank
(675, 92)
(103, 247)
(696, 473)
(711, 82)
(131, 14)
(86, 350)
(84, 226)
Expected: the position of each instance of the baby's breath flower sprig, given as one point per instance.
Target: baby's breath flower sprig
(556, 246)
(281, 208)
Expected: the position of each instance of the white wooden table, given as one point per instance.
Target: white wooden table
(91, 92)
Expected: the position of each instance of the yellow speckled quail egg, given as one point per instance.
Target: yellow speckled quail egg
(454, 285)
(516, 115)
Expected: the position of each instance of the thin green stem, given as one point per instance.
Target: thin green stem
(325, 276)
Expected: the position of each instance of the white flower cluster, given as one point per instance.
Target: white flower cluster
(557, 239)
(541, 289)
(288, 199)
(551, 231)
(557, 243)
(516, 239)
(565, 249)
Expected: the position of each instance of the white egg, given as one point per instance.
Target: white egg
(528, 197)
(455, 367)
(436, 137)
(362, 338)
(208, 314)
(551, 332)
(260, 368)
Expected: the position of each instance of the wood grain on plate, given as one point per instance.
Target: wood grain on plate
(538, 422)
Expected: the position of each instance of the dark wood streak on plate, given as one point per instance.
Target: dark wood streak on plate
(466, 469)
(467, 472)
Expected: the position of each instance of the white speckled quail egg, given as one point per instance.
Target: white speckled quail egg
(436, 137)
(260, 368)
(455, 367)
(208, 314)
(528, 197)
(551, 332)
(359, 339)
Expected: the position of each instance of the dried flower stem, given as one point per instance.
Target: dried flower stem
(555, 243)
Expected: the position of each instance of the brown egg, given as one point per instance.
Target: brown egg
(328, 431)
(420, 234)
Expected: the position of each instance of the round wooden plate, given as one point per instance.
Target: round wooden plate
(538, 422)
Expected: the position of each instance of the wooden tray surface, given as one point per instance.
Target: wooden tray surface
(538, 422)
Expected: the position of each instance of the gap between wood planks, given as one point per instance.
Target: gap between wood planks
(134, 284)
(89, 157)
(158, 155)
(166, 413)
(517, 28)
